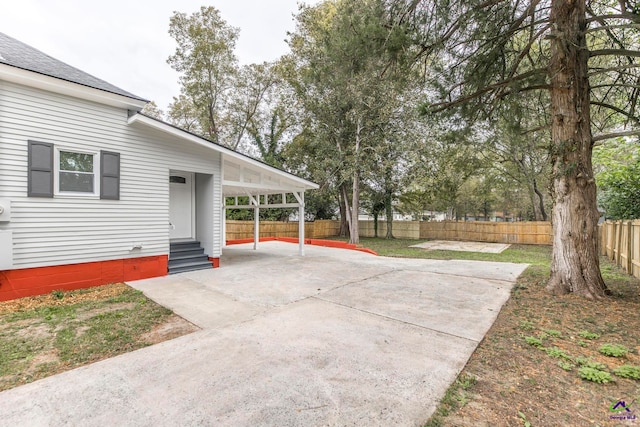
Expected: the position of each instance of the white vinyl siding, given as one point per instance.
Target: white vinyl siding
(66, 230)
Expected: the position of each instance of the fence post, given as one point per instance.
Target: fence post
(629, 247)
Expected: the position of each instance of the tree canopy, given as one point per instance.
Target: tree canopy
(421, 105)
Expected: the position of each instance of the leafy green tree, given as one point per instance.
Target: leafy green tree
(152, 110)
(618, 176)
(620, 195)
(349, 64)
(206, 60)
(182, 113)
(253, 87)
(491, 52)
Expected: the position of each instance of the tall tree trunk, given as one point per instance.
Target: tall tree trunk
(543, 212)
(388, 201)
(375, 223)
(344, 225)
(348, 210)
(537, 216)
(575, 263)
(388, 207)
(354, 228)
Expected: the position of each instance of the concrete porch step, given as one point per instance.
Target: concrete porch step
(187, 255)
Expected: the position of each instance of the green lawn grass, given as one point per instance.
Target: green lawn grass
(527, 254)
(37, 342)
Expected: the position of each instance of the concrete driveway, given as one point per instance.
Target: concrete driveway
(335, 338)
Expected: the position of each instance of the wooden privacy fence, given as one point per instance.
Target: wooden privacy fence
(312, 230)
(620, 241)
(530, 233)
(401, 229)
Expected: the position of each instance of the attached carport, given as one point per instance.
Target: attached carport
(243, 176)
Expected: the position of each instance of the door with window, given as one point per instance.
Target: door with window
(180, 205)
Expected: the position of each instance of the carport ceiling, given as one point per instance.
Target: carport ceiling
(242, 176)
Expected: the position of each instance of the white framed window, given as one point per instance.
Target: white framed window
(76, 172)
(58, 171)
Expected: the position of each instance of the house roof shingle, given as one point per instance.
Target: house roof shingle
(20, 55)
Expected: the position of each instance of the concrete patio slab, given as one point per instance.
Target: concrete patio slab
(335, 338)
(448, 245)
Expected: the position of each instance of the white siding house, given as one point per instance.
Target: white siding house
(93, 192)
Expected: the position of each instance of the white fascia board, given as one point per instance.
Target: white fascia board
(266, 187)
(55, 85)
(226, 152)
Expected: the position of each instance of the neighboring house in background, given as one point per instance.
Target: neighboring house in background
(94, 192)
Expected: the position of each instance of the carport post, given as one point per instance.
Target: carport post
(301, 224)
(224, 225)
(256, 226)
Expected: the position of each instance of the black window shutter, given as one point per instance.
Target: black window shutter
(40, 169)
(109, 175)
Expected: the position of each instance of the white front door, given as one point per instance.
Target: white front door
(180, 205)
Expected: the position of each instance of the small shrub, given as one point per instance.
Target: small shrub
(536, 342)
(57, 294)
(583, 344)
(557, 353)
(588, 335)
(628, 371)
(526, 325)
(613, 350)
(566, 365)
(588, 363)
(466, 381)
(594, 375)
(553, 333)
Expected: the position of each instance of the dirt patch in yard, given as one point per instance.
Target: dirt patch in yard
(59, 298)
(174, 327)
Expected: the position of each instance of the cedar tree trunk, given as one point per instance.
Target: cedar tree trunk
(575, 266)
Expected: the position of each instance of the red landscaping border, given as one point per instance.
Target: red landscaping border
(314, 242)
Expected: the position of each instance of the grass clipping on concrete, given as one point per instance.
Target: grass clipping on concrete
(49, 334)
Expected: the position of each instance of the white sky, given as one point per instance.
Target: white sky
(126, 42)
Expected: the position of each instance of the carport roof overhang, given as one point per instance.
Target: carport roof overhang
(241, 175)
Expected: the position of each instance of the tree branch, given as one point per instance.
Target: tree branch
(616, 52)
(616, 109)
(598, 138)
(441, 106)
(606, 70)
(629, 16)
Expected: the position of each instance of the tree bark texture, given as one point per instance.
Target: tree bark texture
(388, 201)
(543, 212)
(344, 225)
(348, 211)
(388, 207)
(575, 260)
(354, 237)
